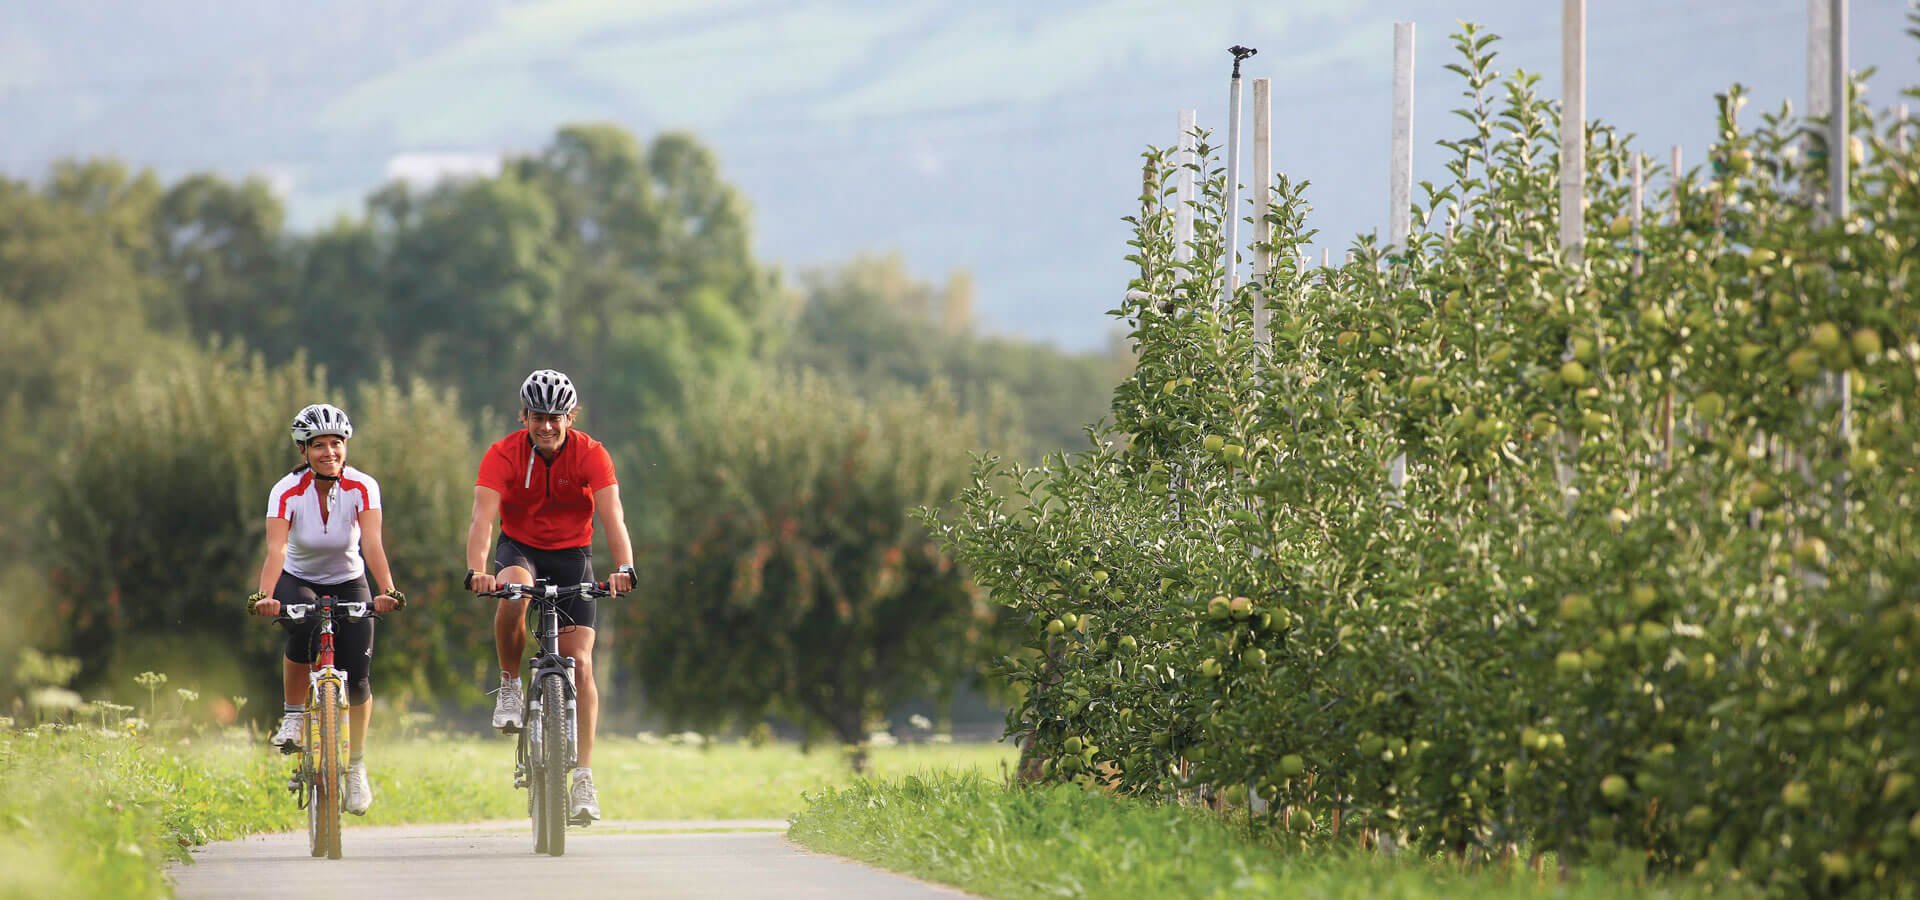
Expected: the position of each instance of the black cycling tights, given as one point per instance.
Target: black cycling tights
(352, 641)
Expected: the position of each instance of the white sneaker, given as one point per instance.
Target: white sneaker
(509, 706)
(583, 803)
(292, 734)
(359, 792)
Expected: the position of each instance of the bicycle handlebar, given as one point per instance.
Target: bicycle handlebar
(355, 610)
(549, 591)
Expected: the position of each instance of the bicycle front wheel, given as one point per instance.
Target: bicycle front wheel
(553, 769)
(323, 763)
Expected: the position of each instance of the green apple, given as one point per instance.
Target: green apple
(1573, 374)
(1614, 788)
(1866, 343)
(1826, 339)
(1804, 363)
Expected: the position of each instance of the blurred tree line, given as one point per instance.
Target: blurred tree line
(156, 337)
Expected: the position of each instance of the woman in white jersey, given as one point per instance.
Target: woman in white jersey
(321, 518)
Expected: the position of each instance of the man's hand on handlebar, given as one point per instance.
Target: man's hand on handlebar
(621, 581)
(480, 582)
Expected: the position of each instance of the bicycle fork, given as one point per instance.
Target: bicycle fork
(302, 767)
(533, 729)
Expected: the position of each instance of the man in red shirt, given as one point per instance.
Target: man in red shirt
(544, 483)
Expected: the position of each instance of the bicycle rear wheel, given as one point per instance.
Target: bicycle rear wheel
(553, 750)
(323, 762)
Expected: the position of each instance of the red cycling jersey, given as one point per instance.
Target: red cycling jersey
(547, 505)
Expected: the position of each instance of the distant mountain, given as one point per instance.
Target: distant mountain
(998, 137)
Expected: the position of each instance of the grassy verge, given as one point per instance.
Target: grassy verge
(968, 831)
(86, 813)
(465, 779)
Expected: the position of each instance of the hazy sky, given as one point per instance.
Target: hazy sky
(998, 137)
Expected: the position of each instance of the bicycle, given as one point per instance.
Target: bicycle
(541, 763)
(316, 780)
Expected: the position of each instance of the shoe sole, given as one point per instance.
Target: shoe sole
(582, 820)
(510, 728)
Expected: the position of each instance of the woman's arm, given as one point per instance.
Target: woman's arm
(375, 549)
(276, 560)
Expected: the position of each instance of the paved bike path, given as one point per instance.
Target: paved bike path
(727, 858)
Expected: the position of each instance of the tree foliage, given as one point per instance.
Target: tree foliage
(788, 575)
(873, 322)
(1577, 626)
(153, 524)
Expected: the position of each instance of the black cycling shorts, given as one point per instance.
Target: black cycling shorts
(352, 641)
(559, 567)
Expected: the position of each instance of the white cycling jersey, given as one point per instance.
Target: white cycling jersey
(324, 550)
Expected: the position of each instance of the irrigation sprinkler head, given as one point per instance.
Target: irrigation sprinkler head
(1240, 53)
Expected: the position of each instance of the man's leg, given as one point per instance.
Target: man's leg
(583, 802)
(510, 624)
(577, 642)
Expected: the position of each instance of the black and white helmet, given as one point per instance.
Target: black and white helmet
(319, 419)
(550, 392)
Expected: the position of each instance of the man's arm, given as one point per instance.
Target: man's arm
(613, 518)
(486, 508)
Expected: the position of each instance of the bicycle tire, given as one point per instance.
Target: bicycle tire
(326, 765)
(531, 767)
(553, 746)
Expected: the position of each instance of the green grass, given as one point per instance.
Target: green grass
(465, 779)
(971, 832)
(84, 813)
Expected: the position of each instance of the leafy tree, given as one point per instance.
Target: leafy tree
(221, 252)
(73, 313)
(785, 573)
(872, 321)
(153, 525)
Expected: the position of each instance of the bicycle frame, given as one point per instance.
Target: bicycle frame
(546, 662)
(325, 680)
(541, 767)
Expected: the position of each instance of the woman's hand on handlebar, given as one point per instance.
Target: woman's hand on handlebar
(384, 604)
(268, 607)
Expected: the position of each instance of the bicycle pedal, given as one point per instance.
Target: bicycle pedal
(289, 749)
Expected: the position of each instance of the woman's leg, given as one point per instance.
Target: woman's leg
(357, 718)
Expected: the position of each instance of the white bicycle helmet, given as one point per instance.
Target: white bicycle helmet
(549, 392)
(319, 419)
